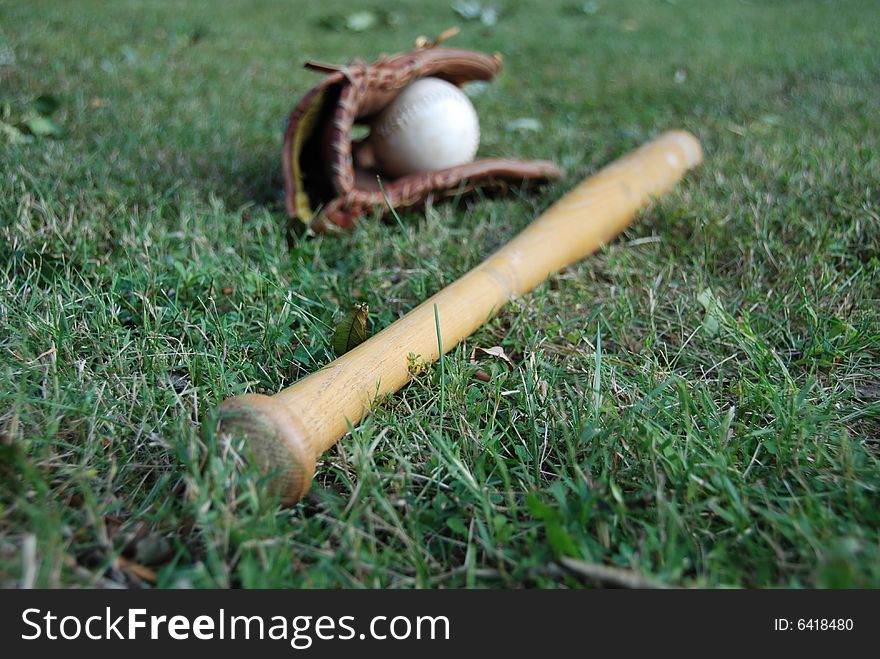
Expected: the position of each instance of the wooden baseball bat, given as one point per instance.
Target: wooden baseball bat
(287, 432)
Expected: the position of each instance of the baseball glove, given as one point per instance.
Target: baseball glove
(326, 186)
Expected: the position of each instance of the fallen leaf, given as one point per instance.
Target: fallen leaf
(142, 572)
(46, 104)
(482, 376)
(494, 351)
(469, 11)
(589, 8)
(361, 21)
(714, 312)
(352, 330)
(523, 124)
(42, 127)
(543, 386)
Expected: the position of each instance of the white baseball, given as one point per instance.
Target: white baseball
(430, 125)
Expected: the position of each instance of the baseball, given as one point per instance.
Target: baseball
(431, 125)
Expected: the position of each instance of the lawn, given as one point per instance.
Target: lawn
(698, 404)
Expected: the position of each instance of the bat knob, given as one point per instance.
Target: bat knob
(277, 444)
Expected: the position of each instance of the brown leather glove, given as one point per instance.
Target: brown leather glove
(325, 188)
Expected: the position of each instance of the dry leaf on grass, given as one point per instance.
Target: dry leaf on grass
(495, 351)
(482, 376)
(352, 330)
(142, 572)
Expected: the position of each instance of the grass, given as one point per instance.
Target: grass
(724, 434)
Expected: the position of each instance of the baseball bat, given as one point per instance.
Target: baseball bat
(287, 432)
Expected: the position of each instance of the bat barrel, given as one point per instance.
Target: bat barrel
(287, 432)
(595, 211)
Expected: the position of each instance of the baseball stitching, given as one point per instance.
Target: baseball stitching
(407, 112)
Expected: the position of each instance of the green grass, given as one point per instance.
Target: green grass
(699, 403)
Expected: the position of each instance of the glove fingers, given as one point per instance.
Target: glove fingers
(509, 169)
(303, 122)
(389, 76)
(337, 138)
(453, 64)
(485, 173)
(414, 190)
(480, 172)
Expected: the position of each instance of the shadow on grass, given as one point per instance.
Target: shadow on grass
(247, 178)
